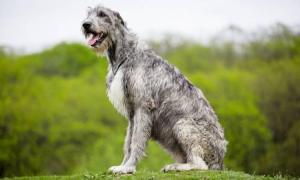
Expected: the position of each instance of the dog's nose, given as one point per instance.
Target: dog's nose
(86, 25)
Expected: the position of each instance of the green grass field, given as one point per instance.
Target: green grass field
(158, 175)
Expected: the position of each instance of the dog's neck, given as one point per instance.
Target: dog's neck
(121, 50)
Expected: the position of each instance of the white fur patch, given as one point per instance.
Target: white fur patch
(116, 93)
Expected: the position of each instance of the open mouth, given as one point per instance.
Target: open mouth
(95, 38)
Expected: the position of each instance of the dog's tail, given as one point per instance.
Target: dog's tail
(218, 164)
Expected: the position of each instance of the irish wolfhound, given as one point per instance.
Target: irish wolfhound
(158, 101)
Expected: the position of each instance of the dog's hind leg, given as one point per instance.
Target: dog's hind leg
(175, 150)
(188, 137)
(178, 155)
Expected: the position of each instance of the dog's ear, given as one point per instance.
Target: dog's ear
(118, 16)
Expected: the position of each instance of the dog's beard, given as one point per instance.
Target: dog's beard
(102, 48)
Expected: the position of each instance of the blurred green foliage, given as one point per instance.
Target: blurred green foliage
(55, 117)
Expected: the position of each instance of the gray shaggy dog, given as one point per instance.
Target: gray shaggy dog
(158, 101)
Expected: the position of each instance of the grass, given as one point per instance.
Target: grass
(148, 175)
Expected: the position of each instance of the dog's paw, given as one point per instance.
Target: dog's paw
(183, 167)
(169, 167)
(122, 169)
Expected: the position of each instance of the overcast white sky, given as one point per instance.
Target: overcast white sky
(34, 24)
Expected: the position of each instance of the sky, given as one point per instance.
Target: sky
(31, 25)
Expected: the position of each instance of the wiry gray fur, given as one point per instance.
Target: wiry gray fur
(158, 101)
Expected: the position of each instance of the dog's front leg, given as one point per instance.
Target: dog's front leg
(128, 141)
(141, 132)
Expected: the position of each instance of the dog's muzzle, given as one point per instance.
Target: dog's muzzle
(94, 38)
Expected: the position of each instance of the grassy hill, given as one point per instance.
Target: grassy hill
(158, 175)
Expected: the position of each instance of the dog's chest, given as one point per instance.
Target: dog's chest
(116, 93)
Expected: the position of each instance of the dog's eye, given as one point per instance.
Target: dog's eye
(101, 14)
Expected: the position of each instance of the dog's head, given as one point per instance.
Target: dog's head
(101, 27)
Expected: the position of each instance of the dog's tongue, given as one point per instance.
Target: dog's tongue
(92, 39)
